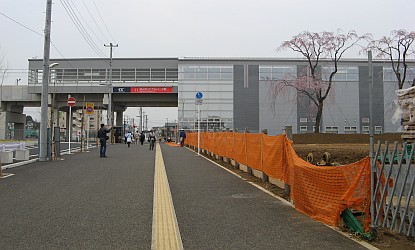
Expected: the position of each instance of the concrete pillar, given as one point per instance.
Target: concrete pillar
(289, 132)
(17, 120)
(119, 121)
(3, 125)
(19, 131)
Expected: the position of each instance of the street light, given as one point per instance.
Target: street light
(17, 81)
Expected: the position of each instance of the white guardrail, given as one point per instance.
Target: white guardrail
(12, 146)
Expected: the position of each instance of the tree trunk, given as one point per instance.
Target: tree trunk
(318, 117)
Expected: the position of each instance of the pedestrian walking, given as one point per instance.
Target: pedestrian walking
(142, 138)
(136, 137)
(103, 137)
(128, 138)
(152, 138)
(182, 137)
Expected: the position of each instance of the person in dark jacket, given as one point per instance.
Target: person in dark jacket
(142, 138)
(102, 136)
(182, 137)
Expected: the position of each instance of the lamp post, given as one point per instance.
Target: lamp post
(17, 81)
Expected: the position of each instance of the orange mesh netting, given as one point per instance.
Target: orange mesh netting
(322, 192)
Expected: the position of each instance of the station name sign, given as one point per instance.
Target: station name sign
(142, 90)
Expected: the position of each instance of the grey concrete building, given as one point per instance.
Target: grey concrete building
(238, 93)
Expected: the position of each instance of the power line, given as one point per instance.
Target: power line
(24, 26)
(78, 24)
(37, 33)
(99, 13)
(96, 24)
(80, 14)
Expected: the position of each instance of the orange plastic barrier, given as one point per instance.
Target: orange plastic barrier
(322, 192)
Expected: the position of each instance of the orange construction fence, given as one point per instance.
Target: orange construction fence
(321, 192)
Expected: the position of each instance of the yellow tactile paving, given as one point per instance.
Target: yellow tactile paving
(166, 234)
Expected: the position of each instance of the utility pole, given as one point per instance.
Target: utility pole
(45, 85)
(146, 120)
(109, 112)
(141, 119)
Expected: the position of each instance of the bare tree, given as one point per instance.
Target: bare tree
(324, 49)
(396, 48)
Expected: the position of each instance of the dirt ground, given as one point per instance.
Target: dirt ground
(344, 149)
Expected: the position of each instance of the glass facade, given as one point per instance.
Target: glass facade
(216, 84)
(343, 74)
(277, 72)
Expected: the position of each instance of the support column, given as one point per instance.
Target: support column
(119, 122)
(3, 125)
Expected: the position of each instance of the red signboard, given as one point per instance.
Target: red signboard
(71, 101)
(151, 89)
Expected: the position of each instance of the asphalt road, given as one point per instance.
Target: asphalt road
(87, 202)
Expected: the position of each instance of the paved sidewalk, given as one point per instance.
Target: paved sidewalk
(89, 202)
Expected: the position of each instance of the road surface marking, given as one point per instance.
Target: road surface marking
(165, 230)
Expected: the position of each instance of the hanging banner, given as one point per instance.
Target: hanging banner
(142, 90)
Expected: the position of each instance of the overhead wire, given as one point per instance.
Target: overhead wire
(37, 33)
(78, 24)
(86, 23)
(105, 25)
(93, 19)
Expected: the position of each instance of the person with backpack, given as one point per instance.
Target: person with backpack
(103, 137)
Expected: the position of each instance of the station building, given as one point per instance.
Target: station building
(239, 93)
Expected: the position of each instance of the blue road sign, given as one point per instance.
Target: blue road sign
(199, 95)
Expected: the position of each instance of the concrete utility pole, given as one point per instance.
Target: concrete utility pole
(109, 111)
(141, 119)
(43, 144)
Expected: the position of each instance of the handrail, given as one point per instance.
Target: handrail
(12, 146)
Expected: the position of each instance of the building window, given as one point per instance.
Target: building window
(303, 129)
(378, 129)
(332, 129)
(303, 120)
(365, 129)
(365, 120)
(350, 130)
(275, 72)
(344, 74)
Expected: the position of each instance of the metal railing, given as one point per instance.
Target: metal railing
(12, 146)
(394, 188)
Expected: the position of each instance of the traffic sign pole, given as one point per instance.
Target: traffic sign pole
(199, 96)
(70, 125)
(71, 102)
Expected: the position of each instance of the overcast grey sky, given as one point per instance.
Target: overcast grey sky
(185, 28)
